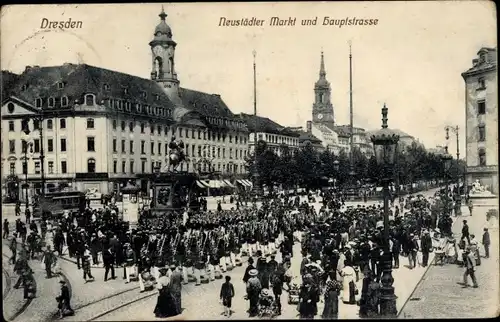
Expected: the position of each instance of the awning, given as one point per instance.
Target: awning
(228, 183)
(201, 184)
(249, 183)
(242, 182)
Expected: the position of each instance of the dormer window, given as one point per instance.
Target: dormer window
(144, 94)
(52, 102)
(138, 108)
(38, 102)
(157, 97)
(125, 90)
(106, 87)
(64, 101)
(25, 87)
(128, 106)
(482, 58)
(89, 99)
(60, 85)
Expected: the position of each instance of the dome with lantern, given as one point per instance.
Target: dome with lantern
(162, 30)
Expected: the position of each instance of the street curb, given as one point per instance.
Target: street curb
(423, 275)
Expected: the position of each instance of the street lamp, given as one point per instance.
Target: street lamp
(26, 145)
(385, 143)
(157, 172)
(446, 158)
(336, 169)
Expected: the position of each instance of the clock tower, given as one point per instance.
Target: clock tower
(322, 111)
(163, 62)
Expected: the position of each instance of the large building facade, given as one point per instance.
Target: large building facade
(102, 128)
(481, 112)
(275, 135)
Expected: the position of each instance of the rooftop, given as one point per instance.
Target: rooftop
(266, 125)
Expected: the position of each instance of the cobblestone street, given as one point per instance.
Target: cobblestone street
(440, 295)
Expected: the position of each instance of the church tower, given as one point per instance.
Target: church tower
(322, 111)
(163, 62)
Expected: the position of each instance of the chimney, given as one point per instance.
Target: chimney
(474, 62)
(309, 127)
(27, 68)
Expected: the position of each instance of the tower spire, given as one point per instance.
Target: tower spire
(162, 15)
(322, 72)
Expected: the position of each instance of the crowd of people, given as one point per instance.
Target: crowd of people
(340, 245)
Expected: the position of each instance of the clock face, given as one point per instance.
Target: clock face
(157, 50)
(320, 116)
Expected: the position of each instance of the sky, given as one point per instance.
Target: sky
(411, 60)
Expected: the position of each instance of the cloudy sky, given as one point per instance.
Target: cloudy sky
(411, 60)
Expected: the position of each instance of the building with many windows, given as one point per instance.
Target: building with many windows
(275, 135)
(481, 111)
(102, 128)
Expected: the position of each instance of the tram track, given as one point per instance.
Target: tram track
(25, 305)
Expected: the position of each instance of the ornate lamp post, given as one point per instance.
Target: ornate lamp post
(157, 173)
(336, 169)
(446, 158)
(26, 145)
(385, 143)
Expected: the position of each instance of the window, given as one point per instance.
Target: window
(142, 127)
(123, 125)
(152, 128)
(51, 167)
(37, 167)
(166, 148)
(25, 168)
(12, 146)
(24, 146)
(37, 145)
(159, 129)
(230, 139)
(187, 133)
(143, 166)
(152, 167)
(482, 133)
(131, 146)
(131, 126)
(166, 130)
(114, 145)
(38, 102)
(62, 123)
(144, 94)
(11, 126)
(143, 147)
(192, 133)
(36, 124)
(199, 151)
(64, 101)
(199, 134)
(124, 166)
(115, 166)
(131, 166)
(230, 153)
(52, 102)
(481, 107)
(482, 157)
(152, 148)
(218, 152)
(224, 153)
(91, 165)
(89, 99)
(236, 139)
(180, 132)
(193, 148)
(204, 135)
(50, 145)
(90, 144)
(64, 168)
(123, 146)
(90, 123)
(114, 124)
(60, 85)
(481, 83)
(159, 148)
(106, 87)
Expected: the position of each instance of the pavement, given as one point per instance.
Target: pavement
(440, 295)
(206, 296)
(92, 299)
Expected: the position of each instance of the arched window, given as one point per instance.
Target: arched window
(91, 165)
(482, 157)
(52, 102)
(64, 101)
(158, 67)
(89, 99)
(171, 65)
(90, 123)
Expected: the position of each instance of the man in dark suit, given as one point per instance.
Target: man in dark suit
(465, 231)
(249, 268)
(109, 260)
(396, 249)
(426, 246)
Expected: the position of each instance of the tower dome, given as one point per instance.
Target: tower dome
(163, 30)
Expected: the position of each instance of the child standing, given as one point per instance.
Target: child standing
(226, 295)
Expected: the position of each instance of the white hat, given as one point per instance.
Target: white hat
(253, 272)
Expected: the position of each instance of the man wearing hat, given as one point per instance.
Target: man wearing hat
(469, 261)
(465, 231)
(130, 267)
(253, 291)
(64, 300)
(486, 242)
(426, 246)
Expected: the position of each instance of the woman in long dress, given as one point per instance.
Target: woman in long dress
(349, 279)
(331, 309)
(165, 306)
